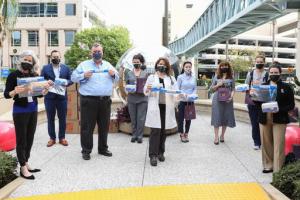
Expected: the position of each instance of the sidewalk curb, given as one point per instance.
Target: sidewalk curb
(9, 188)
(273, 192)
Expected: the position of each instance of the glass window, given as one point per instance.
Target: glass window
(16, 38)
(69, 37)
(70, 9)
(85, 12)
(33, 38)
(13, 61)
(38, 10)
(52, 38)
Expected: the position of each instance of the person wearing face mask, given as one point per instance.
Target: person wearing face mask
(222, 114)
(96, 77)
(24, 110)
(257, 76)
(137, 101)
(187, 84)
(56, 102)
(273, 125)
(161, 109)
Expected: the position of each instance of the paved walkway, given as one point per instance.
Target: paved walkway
(196, 162)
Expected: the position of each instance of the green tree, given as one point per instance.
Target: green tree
(115, 42)
(242, 60)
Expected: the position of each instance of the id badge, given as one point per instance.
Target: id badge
(29, 99)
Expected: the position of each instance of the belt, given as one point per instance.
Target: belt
(96, 97)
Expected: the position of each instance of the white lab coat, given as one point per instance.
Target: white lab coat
(153, 114)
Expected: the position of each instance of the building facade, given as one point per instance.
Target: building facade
(46, 25)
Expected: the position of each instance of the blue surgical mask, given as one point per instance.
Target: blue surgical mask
(97, 55)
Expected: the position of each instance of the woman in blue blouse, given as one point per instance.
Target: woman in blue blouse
(24, 110)
(187, 84)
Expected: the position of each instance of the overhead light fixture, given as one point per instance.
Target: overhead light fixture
(189, 5)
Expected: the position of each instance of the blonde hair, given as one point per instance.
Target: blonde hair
(35, 61)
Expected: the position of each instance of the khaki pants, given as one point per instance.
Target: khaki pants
(273, 141)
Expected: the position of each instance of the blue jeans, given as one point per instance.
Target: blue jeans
(253, 114)
(59, 105)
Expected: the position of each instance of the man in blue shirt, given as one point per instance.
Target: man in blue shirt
(55, 102)
(96, 78)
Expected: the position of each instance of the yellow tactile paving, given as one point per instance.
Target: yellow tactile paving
(238, 191)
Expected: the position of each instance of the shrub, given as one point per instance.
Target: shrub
(8, 165)
(287, 180)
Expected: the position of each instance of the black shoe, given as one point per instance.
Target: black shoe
(140, 140)
(34, 170)
(26, 177)
(161, 157)
(153, 161)
(86, 156)
(267, 171)
(133, 140)
(105, 153)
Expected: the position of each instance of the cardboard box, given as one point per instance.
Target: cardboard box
(73, 127)
(72, 99)
(72, 112)
(72, 87)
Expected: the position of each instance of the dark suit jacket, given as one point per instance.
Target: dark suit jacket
(286, 102)
(48, 74)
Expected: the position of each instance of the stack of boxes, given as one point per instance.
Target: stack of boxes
(73, 114)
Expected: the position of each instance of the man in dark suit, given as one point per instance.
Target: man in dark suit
(55, 101)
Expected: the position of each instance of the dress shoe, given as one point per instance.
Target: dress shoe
(153, 161)
(63, 142)
(182, 138)
(267, 171)
(51, 143)
(86, 156)
(161, 157)
(140, 140)
(186, 137)
(222, 140)
(31, 177)
(133, 140)
(105, 153)
(216, 142)
(34, 170)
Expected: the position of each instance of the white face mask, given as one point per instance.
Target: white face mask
(188, 71)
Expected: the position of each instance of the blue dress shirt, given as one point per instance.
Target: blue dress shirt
(187, 84)
(100, 83)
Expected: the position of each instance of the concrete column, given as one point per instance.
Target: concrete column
(43, 44)
(298, 48)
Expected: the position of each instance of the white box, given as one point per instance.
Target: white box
(242, 88)
(270, 107)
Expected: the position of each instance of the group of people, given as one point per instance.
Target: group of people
(147, 106)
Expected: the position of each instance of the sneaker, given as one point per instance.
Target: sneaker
(186, 136)
(256, 147)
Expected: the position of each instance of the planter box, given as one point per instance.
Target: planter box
(9, 188)
(202, 92)
(273, 192)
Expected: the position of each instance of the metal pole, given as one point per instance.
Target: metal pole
(298, 48)
(226, 50)
(165, 34)
(273, 41)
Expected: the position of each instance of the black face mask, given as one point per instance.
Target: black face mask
(136, 65)
(26, 66)
(259, 66)
(274, 78)
(55, 61)
(162, 68)
(97, 55)
(224, 70)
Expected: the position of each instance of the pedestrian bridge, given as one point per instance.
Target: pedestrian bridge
(224, 19)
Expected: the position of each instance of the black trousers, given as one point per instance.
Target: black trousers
(253, 114)
(158, 136)
(94, 110)
(181, 120)
(25, 126)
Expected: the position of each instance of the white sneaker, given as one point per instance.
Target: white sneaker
(256, 147)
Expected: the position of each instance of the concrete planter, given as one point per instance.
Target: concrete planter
(125, 127)
(202, 92)
(9, 188)
(273, 192)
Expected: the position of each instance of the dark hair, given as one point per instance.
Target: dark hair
(261, 56)
(276, 65)
(230, 71)
(54, 51)
(167, 63)
(185, 62)
(141, 58)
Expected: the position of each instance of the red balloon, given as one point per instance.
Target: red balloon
(292, 136)
(7, 136)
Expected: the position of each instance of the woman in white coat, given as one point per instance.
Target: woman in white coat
(161, 109)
